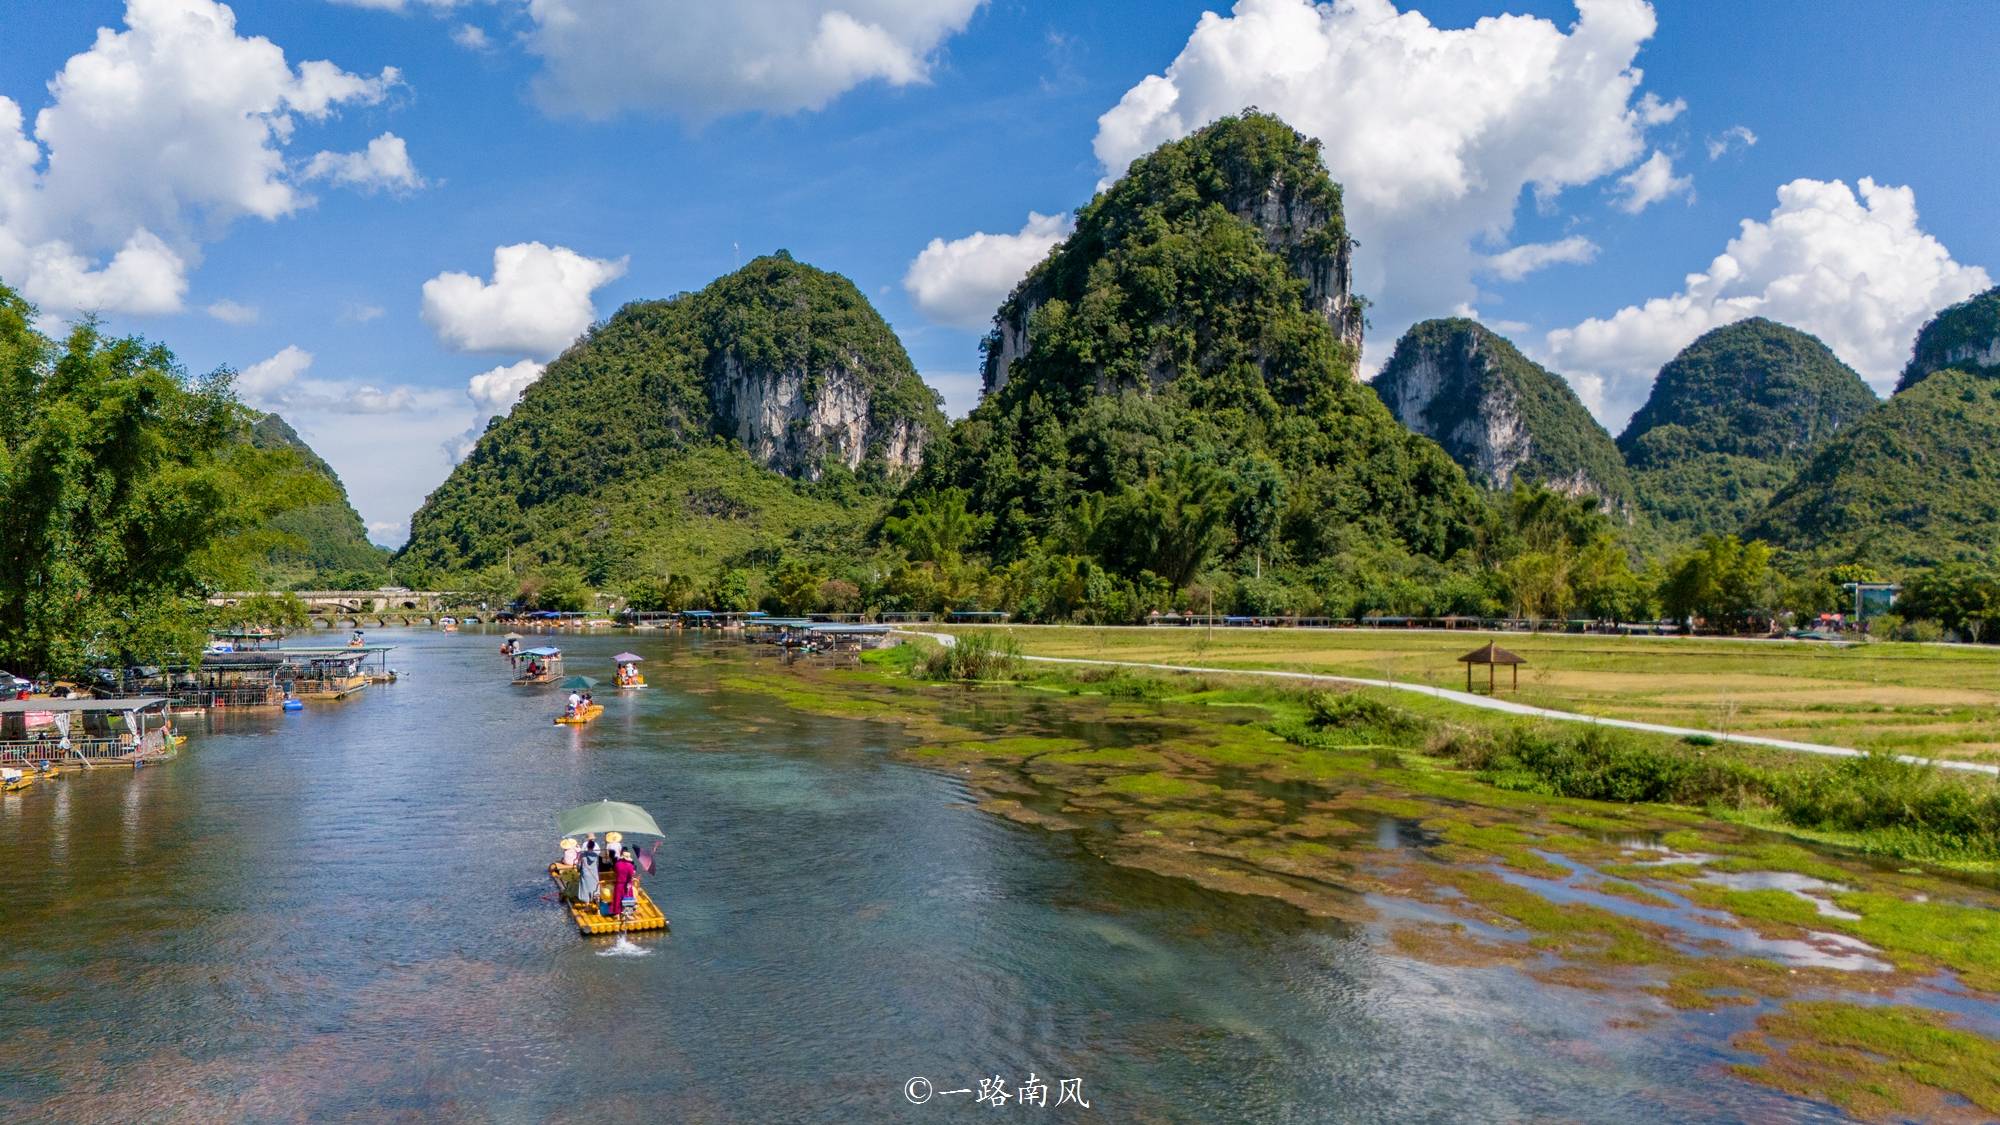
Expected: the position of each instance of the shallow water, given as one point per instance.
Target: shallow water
(340, 913)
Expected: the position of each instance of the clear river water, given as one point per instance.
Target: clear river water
(342, 914)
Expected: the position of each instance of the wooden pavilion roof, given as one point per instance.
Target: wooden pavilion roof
(1491, 653)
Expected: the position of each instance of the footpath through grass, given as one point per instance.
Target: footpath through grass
(1932, 701)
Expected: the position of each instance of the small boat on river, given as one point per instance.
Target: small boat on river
(613, 821)
(628, 670)
(582, 709)
(544, 666)
(583, 714)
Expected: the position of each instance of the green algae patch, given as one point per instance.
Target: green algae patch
(1450, 943)
(1633, 892)
(1591, 822)
(1707, 986)
(1879, 1063)
(1025, 746)
(1578, 929)
(1402, 808)
(1111, 757)
(1965, 938)
(1160, 787)
(1769, 856)
(1209, 822)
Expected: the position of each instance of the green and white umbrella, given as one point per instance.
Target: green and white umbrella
(579, 683)
(607, 816)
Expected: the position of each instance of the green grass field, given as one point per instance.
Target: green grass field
(1932, 700)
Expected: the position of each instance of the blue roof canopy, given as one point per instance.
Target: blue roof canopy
(544, 652)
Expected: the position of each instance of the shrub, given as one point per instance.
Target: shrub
(975, 656)
(1880, 793)
(1599, 765)
(1922, 630)
(1352, 709)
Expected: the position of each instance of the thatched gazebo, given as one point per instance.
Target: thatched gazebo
(1491, 655)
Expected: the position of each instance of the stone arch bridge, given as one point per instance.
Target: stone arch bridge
(388, 606)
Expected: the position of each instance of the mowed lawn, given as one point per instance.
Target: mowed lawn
(1935, 700)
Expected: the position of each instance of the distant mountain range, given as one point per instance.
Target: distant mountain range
(1174, 388)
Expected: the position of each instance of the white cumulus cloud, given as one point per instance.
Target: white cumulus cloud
(1517, 262)
(97, 212)
(471, 36)
(1433, 132)
(399, 5)
(963, 281)
(701, 60)
(493, 394)
(385, 163)
(538, 301)
(1729, 140)
(1651, 182)
(263, 382)
(1856, 270)
(232, 312)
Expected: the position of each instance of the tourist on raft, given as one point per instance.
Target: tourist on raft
(624, 890)
(586, 867)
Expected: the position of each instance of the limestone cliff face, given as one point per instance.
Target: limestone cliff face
(1498, 414)
(1965, 336)
(799, 421)
(1299, 217)
(1295, 228)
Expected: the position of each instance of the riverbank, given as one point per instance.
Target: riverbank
(1423, 823)
(1932, 701)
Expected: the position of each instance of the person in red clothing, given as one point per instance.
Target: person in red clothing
(624, 872)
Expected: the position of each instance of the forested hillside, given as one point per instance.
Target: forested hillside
(1917, 482)
(1965, 336)
(712, 429)
(329, 544)
(1499, 414)
(1731, 420)
(1172, 390)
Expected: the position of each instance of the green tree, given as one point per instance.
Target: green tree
(1173, 524)
(1725, 582)
(795, 589)
(558, 588)
(129, 494)
(935, 528)
(730, 591)
(1959, 596)
(269, 611)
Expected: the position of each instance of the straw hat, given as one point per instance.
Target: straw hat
(613, 837)
(567, 843)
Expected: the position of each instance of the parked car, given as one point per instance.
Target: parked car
(12, 685)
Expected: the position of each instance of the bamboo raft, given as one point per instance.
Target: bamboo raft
(581, 717)
(645, 915)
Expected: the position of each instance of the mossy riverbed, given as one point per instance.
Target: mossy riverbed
(1870, 984)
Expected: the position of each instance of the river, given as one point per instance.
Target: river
(341, 914)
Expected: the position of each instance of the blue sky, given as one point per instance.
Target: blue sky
(650, 147)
